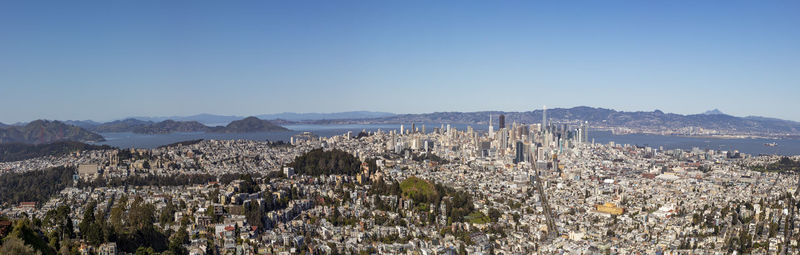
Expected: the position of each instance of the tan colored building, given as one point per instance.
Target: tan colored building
(88, 171)
(609, 208)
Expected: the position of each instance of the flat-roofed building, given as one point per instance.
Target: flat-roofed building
(88, 171)
(609, 208)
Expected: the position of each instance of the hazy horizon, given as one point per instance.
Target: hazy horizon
(323, 113)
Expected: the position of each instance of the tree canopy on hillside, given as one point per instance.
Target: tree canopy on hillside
(34, 186)
(320, 162)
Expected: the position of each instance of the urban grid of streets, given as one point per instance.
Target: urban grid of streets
(543, 191)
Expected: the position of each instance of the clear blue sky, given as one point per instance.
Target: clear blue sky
(109, 59)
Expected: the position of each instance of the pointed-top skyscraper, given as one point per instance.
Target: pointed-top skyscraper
(545, 130)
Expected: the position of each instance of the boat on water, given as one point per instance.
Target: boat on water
(772, 144)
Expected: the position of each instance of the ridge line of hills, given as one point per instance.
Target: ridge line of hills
(600, 118)
(43, 131)
(249, 124)
(48, 131)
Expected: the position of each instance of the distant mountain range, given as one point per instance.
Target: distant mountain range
(82, 123)
(246, 125)
(249, 125)
(600, 118)
(170, 126)
(204, 118)
(291, 116)
(211, 119)
(126, 125)
(714, 112)
(652, 121)
(44, 131)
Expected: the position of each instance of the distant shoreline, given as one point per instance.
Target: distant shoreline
(793, 137)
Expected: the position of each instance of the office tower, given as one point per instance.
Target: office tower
(502, 120)
(398, 147)
(544, 116)
(401, 129)
(545, 129)
(586, 132)
(503, 139)
(413, 127)
(555, 164)
(423, 128)
(491, 128)
(520, 155)
(530, 150)
(540, 154)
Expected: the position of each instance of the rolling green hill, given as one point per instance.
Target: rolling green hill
(418, 189)
(45, 131)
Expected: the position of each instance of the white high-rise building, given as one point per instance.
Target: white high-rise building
(545, 130)
(586, 132)
(544, 116)
(491, 128)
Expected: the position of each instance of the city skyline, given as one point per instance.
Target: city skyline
(107, 60)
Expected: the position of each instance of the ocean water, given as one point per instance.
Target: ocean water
(746, 145)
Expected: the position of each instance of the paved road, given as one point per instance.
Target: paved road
(552, 231)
